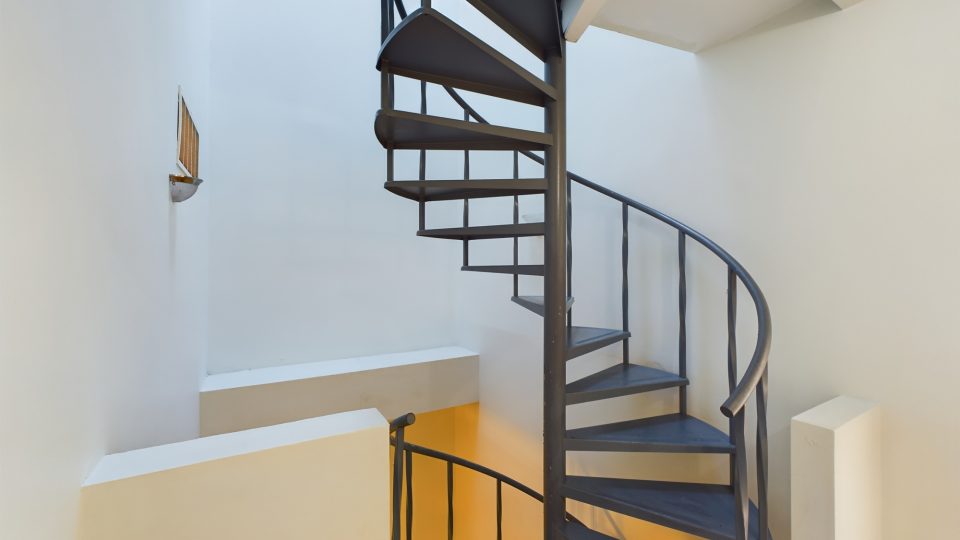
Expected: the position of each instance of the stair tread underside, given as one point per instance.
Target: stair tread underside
(582, 339)
(447, 190)
(402, 130)
(428, 46)
(533, 23)
(486, 232)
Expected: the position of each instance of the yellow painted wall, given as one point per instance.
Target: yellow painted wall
(465, 432)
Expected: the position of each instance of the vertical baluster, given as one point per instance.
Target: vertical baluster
(516, 221)
(466, 201)
(625, 286)
(682, 250)
(423, 159)
(386, 7)
(732, 352)
(499, 509)
(425, 3)
(397, 484)
(569, 250)
(449, 500)
(762, 464)
(740, 492)
(409, 469)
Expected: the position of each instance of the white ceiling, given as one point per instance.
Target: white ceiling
(691, 25)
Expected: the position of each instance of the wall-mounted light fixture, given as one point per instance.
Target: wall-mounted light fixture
(183, 187)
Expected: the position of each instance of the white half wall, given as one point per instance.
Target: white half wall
(836, 478)
(394, 384)
(103, 281)
(325, 477)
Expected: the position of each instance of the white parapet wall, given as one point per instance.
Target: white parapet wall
(836, 471)
(395, 384)
(324, 477)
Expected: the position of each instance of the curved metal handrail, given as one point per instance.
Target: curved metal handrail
(400, 424)
(758, 362)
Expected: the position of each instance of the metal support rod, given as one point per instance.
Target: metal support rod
(682, 250)
(516, 221)
(570, 251)
(423, 159)
(409, 471)
(397, 484)
(555, 329)
(449, 500)
(625, 286)
(466, 201)
(732, 355)
(762, 457)
(499, 510)
(740, 494)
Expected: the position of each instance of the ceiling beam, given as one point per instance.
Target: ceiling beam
(578, 14)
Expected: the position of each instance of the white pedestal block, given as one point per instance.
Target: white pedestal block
(836, 467)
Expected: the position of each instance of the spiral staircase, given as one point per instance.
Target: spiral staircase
(427, 46)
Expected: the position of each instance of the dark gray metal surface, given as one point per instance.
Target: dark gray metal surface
(705, 510)
(485, 232)
(584, 339)
(534, 23)
(674, 433)
(621, 380)
(430, 47)
(402, 130)
(536, 304)
(449, 190)
(521, 269)
(577, 531)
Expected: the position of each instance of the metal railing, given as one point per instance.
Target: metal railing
(403, 481)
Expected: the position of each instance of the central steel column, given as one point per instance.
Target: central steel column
(555, 298)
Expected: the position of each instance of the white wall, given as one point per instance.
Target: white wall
(821, 150)
(102, 279)
(311, 258)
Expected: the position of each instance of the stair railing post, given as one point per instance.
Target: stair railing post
(516, 221)
(555, 299)
(625, 286)
(466, 201)
(397, 484)
(762, 457)
(732, 357)
(682, 361)
(740, 490)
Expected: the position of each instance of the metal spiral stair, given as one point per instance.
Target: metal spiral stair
(427, 46)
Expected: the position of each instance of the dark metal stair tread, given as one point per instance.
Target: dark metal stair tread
(533, 23)
(621, 380)
(485, 232)
(571, 530)
(667, 433)
(536, 304)
(582, 340)
(404, 130)
(446, 190)
(706, 510)
(428, 46)
(522, 269)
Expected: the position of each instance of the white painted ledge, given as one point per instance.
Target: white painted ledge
(578, 15)
(836, 471)
(319, 478)
(418, 381)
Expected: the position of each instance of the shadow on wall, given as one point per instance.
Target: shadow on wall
(803, 12)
